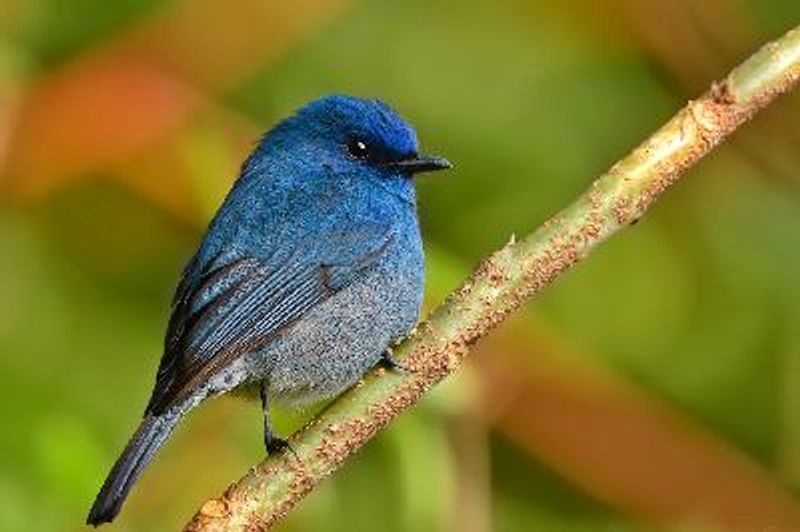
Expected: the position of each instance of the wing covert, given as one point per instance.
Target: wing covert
(238, 304)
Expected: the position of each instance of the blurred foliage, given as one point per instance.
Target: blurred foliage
(655, 387)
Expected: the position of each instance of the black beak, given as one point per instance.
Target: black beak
(421, 163)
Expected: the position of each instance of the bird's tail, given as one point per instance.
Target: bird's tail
(151, 434)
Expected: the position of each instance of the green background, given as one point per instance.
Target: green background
(683, 328)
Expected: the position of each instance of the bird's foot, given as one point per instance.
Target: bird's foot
(277, 445)
(392, 364)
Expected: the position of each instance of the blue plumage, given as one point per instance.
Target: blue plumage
(310, 269)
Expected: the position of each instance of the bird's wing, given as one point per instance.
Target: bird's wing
(237, 305)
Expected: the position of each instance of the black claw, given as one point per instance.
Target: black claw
(392, 364)
(277, 445)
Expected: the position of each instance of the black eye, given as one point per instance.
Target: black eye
(358, 148)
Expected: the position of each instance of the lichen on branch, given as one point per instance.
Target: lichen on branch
(499, 285)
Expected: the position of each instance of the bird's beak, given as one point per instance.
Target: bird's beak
(421, 163)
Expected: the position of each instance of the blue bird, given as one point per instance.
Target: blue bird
(310, 269)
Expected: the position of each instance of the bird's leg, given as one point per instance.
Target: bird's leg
(392, 364)
(273, 443)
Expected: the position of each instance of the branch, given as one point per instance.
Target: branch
(499, 285)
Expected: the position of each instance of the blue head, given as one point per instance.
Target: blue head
(345, 135)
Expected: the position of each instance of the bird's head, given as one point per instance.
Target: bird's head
(343, 135)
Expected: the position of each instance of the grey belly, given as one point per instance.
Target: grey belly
(336, 342)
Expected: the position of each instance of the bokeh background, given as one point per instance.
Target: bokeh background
(654, 387)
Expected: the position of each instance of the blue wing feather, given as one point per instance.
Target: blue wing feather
(237, 304)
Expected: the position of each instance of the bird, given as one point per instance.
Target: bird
(310, 270)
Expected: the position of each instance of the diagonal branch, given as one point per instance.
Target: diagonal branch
(500, 284)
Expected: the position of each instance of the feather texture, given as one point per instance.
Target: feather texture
(240, 304)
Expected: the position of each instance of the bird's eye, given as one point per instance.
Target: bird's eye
(357, 148)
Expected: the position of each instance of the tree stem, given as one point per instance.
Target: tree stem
(499, 285)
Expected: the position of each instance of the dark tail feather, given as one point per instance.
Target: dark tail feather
(151, 434)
